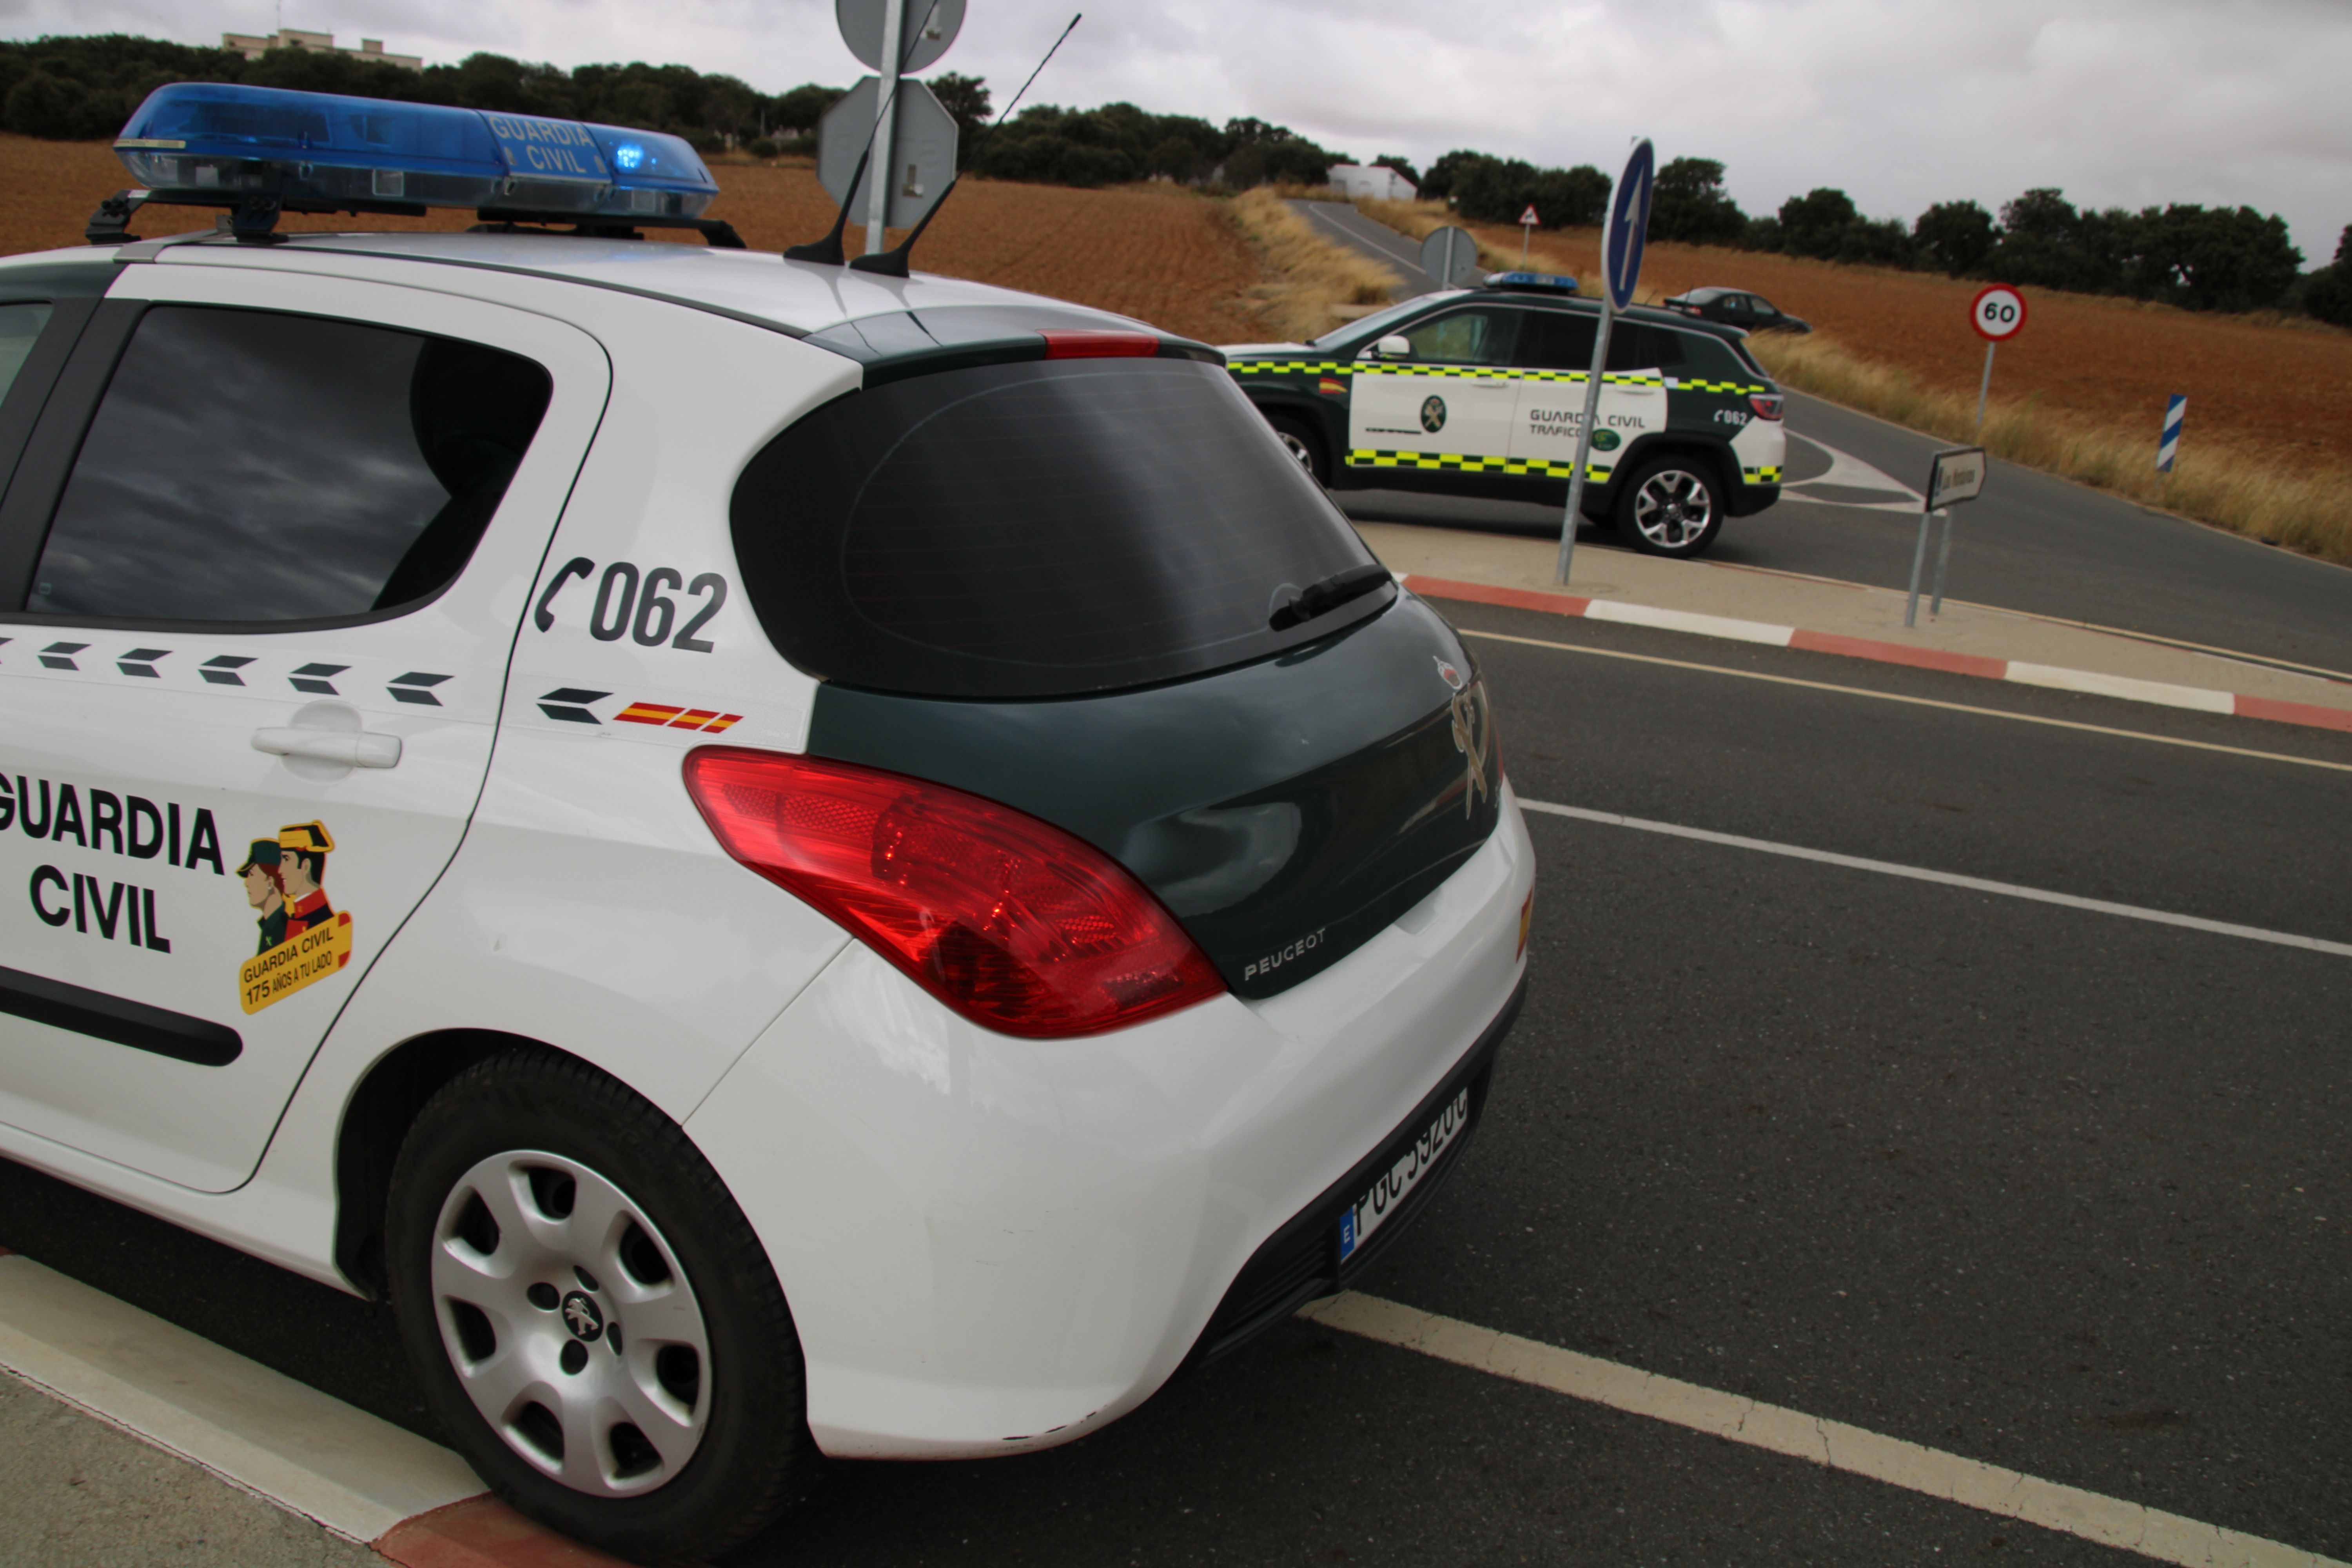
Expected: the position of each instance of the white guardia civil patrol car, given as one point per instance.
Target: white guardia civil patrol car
(789, 859)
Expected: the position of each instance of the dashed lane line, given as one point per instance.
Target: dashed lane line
(1911, 701)
(1948, 879)
(2110, 1521)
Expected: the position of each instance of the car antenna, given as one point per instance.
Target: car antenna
(893, 263)
(828, 249)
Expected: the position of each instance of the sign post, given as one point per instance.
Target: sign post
(1955, 475)
(1621, 268)
(893, 36)
(2167, 445)
(1998, 314)
(1527, 221)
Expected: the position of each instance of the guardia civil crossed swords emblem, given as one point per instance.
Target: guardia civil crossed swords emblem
(1466, 737)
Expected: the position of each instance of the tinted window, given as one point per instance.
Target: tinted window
(1481, 335)
(1555, 340)
(19, 326)
(1036, 530)
(1763, 307)
(246, 466)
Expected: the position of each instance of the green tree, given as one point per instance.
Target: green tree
(1815, 224)
(2327, 293)
(1955, 237)
(1401, 163)
(1689, 206)
(966, 99)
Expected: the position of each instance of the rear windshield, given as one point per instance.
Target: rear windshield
(1038, 530)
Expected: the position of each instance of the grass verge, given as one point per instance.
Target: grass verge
(1313, 277)
(2280, 501)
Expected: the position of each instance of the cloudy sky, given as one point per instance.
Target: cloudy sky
(1900, 102)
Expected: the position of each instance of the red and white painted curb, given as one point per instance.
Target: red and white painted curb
(414, 1502)
(2084, 680)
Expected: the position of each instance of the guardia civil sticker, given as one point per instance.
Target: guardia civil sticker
(303, 938)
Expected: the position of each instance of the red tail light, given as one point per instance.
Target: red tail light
(1765, 403)
(1014, 923)
(1084, 344)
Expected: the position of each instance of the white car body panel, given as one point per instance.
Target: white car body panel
(1042, 1227)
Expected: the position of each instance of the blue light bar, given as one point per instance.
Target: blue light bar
(320, 149)
(1555, 281)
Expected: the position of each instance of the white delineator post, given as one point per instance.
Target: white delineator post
(877, 168)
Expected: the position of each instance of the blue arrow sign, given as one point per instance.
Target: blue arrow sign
(1629, 225)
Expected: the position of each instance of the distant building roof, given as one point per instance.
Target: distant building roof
(253, 47)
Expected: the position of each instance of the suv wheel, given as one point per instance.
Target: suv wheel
(595, 1324)
(1670, 507)
(1304, 444)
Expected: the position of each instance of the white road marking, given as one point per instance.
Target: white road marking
(1948, 879)
(2122, 686)
(2110, 1521)
(1913, 701)
(1852, 473)
(301, 1450)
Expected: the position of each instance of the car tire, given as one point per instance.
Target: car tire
(1301, 441)
(593, 1322)
(1671, 505)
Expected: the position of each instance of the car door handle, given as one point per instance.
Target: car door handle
(352, 749)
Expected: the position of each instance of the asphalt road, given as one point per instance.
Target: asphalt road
(2061, 1191)
(1341, 222)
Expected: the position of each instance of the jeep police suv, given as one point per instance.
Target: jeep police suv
(787, 860)
(1480, 392)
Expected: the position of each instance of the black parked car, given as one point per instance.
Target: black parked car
(1737, 308)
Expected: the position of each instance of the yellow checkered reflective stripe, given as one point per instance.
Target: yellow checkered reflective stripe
(1764, 476)
(1455, 462)
(1490, 372)
(1289, 367)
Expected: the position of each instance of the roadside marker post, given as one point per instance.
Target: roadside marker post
(1955, 475)
(2168, 445)
(1998, 314)
(1621, 244)
(1527, 221)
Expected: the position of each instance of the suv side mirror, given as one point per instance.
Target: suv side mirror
(1396, 345)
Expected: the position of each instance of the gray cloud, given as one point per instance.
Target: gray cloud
(1900, 102)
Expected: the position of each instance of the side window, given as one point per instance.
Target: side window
(1765, 311)
(1481, 335)
(1709, 358)
(249, 467)
(20, 325)
(1636, 345)
(1555, 340)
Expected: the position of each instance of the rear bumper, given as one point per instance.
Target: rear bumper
(1301, 1261)
(992, 1245)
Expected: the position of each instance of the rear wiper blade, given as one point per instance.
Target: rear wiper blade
(1321, 597)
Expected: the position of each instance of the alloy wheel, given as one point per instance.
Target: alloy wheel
(1673, 508)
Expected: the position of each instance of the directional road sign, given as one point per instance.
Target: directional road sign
(1629, 225)
(1450, 255)
(927, 26)
(922, 149)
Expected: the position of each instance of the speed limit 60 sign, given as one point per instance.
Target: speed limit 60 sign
(1999, 313)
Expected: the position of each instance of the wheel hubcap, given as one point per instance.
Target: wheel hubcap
(1673, 508)
(570, 1324)
(1298, 451)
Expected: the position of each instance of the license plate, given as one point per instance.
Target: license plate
(1371, 1211)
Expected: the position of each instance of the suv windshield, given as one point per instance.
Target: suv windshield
(1039, 530)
